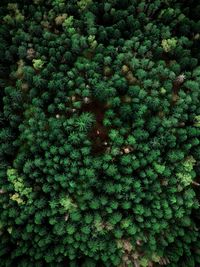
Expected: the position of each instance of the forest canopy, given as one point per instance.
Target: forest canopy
(99, 133)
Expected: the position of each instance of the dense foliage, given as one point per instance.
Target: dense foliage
(100, 133)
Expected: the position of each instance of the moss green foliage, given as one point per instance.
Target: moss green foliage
(197, 121)
(82, 4)
(19, 187)
(38, 64)
(169, 44)
(186, 171)
(99, 133)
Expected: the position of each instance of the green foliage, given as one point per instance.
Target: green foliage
(99, 136)
(169, 44)
(38, 64)
(82, 4)
(19, 187)
(85, 121)
(185, 175)
(197, 121)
